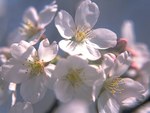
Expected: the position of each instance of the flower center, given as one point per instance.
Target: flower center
(36, 67)
(81, 34)
(29, 28)
(73, 77)
(113, 85)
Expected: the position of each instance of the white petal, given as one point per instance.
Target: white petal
(70, 47)
(65, 24)
(61, 69)
(87, 14)
(36, 37)
(14, 71)
(130, 88)
(33, 89)
(90, 75)
(90, 52)
(46, 51)
(83, 92)
(63, 90)
(102, 100)
(96, 89)
(76, 62)
(47, 15)
(49, 69)
(22, 50)
(108, 62)
(21, 108)
(49, 80)
(112, 106)
(104, 38)
(121, 64)
(31, 14)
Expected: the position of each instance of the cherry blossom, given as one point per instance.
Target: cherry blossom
(79, 37)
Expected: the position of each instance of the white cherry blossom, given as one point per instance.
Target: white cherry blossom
(31, 68)
(111, 89)
(75, 79)
(34, 23)
(79, 37)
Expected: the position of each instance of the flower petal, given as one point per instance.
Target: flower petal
(31, 14)
(49, 80)
(70, 47)
(46, 51)
(121, 64)
(19, 107)
(108, 62)
(33, 89)
(104, 38)
(36, 37)
(90, 52)
(90, 75)
(14, 71)
(130, 88)
(22, 50)
(47, 15)
(87, 14)
(65, 24)
(102, 100)
(63, 90)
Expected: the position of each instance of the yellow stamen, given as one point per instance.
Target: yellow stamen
(81, 34)
(29, 28)
(73, 77)
(113, 85)
(36, 67)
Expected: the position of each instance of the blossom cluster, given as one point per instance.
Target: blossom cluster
(98, 68)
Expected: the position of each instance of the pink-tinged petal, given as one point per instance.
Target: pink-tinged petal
(121, 64)
(87, 14)
(33, 89)
(47, 15)
(70, 47)
(104, 38)
(14, 71)
(47, 51)
(31, 14)
(20, 107)
(63, 90)
(130, 88)
(90, 52)
(65, 24)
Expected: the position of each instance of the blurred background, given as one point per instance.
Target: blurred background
(112, 15)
